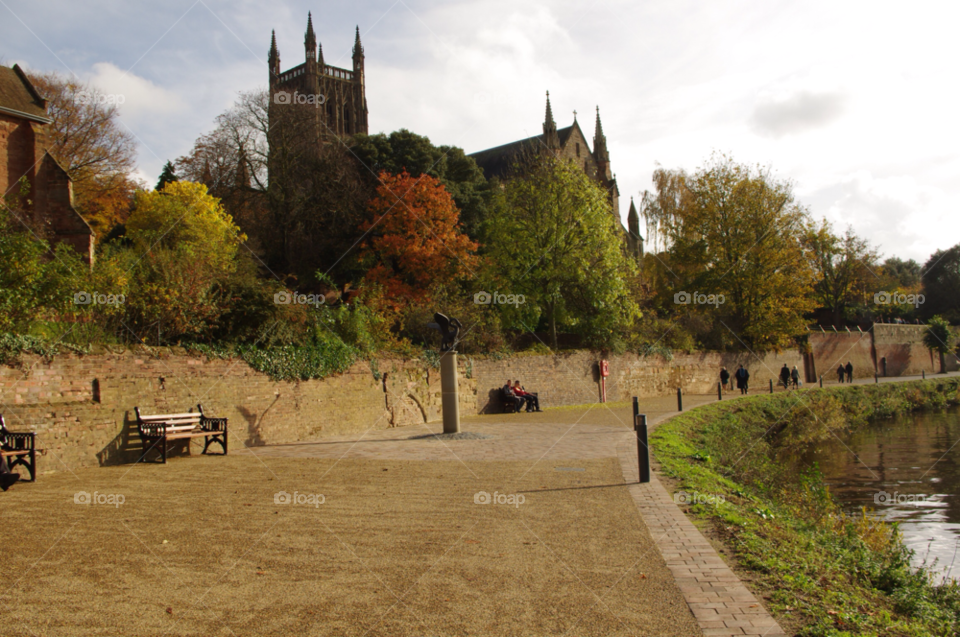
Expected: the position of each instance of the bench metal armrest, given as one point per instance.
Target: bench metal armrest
(213, 424)
(18, 441)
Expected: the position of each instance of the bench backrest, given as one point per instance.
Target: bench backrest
(173, 422)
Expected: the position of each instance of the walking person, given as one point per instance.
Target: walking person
(724, 378)
(742, 377)
(840, 372)
(785, 376)
(795, 377)
(849, 370)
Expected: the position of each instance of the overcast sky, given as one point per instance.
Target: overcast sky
(855, 102)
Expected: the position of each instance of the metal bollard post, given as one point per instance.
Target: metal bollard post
(821, 380)
(719, 391)
(643, 449)
(771, 385)
(679, 400)
(876, 379)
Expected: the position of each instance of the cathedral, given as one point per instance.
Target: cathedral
(571, 144)
(337, 97)
(334, 103)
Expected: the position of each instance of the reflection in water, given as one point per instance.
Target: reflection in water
(908, 471)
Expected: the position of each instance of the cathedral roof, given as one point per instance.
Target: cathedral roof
(18, 97)
(497, 162)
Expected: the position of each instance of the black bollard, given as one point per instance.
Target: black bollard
(821, 381)
(719, 391)
(876, 379)
(771, 385)
(643, 450)
(679, 400)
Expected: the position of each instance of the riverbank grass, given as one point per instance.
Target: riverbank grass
(821, 571)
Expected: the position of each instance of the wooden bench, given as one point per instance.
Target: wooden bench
(509, 403)
(157, 429)
(19, 449)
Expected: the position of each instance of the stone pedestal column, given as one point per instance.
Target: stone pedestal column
(451, 396)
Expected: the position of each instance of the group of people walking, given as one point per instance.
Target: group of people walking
(788, 377)
(847, 371)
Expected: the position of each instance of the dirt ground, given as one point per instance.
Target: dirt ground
(202, 546)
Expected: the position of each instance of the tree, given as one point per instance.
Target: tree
(939, 338)
(941, 285)
(844, 266)
(187, 251)
(903, 274)
(737, 232)
(403, 150)
(555, 240)
(414, 244)
(168, 175)
(90, 141)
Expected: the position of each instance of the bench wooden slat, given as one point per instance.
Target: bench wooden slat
(188, 414)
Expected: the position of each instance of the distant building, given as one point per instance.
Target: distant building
(568, 143)
(25, 136)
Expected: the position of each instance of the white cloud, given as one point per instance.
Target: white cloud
(141, 98)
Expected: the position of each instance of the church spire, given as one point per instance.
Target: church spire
(550, 137)
(273, 58)
(633, 219)
(600, 142)
(357, 52)
(310, 39)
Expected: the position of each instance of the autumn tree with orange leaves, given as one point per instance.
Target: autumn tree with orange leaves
(413, 242)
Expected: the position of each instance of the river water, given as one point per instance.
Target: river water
(907, 470)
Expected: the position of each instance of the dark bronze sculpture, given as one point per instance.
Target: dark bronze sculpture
(449, 328)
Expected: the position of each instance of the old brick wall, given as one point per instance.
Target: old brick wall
(82, 407)
(902, 346)
(833, 349)
(573, 378)
(18, 154)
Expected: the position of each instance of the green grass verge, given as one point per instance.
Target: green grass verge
(821, 571)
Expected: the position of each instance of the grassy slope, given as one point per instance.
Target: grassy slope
(829, 573)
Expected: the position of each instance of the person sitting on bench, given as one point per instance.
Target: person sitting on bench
(510, 396)
(7, 477)
(533, 402)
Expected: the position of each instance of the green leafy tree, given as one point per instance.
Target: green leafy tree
(168, 175)
(737, 231)
(941, 285)
(844, 266)
(187, 253)
(939, 338)
(556, 241)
